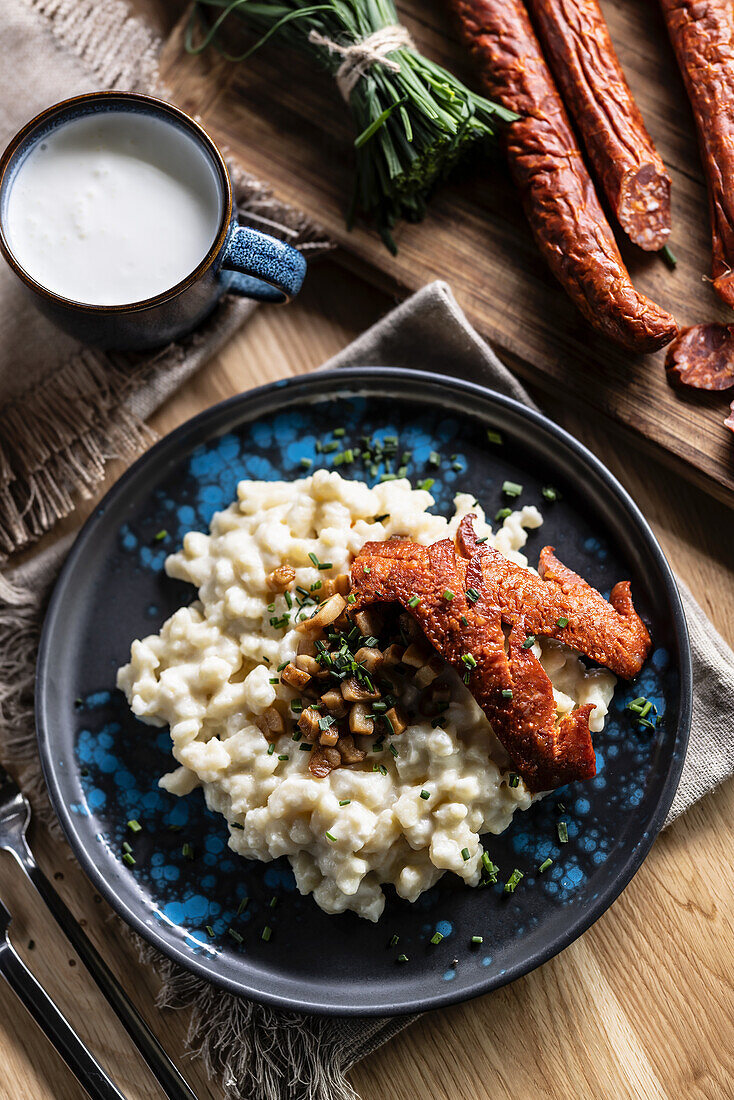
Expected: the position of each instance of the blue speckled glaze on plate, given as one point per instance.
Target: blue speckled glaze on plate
(102, 765)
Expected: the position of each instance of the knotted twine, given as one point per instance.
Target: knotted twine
(359, 57)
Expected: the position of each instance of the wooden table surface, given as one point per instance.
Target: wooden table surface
(642, 1006)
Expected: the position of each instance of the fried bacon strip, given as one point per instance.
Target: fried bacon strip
(507, 680)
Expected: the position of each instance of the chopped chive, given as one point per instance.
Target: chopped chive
(425, 794)
(507, 693)
(283, 665)
(296, 706)
(266, 933)
(494, 437)
(271, 748)
(477, 939)
(402, 958)
(235, 935)
(209, 931)
(274, 680)
(393, 750)
(469, 660)
(512, 881)
(329, 448)
(490, 870)
(242, 906)
(351, 598)
(434, 459)
(126, 847)
(161, 535)
(427, 483)
(482, 539)
(305, 747)
(187, 850)
(129, 859)
(472, 595)
(545, 865)
(514, 779)
(668, 256)
(550, 493)
(306, 462)
(511, 488)
(448, 594)
(394, 939)
(529, 641)
(503, 514)
(331, 837)
(134, 825)
(436, 937)
(414, 601)
(314, 559)
(344, 801)
(339, 432)
(379, 519)
(284, 756)
(562, 622)
(563, 832)
(464, 620)
(273, 902)
(465, 854)
(236, 825)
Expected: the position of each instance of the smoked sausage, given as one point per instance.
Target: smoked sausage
(702, 34)
(549, 171)
(579, 51)
(702, 357)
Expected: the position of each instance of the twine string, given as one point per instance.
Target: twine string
(359, 57)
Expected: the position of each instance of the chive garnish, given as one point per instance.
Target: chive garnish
(414, 601)
(436, 937)
(472, 595)
(266, 933)
(545, 865)
(427, 483)
(512, 881)
(338, 432)
(469, 660)
(314, 559)
(464, 620)
(351, 598)
(394, 939)
(511, 488)
(331, 837)
(235, 935)
(425, 794)
(344, 801)
(187, 850)
(305, 747)
(284, 756)
(271, 748)
(477, 939)
(529, 641)
(562, 622)
(134, 825)
(161, 535)
(402, 958)
(434, 459)
(514, 779)
(507, 693)
(482, 540)
(668, 256)
(550, 493)
(503, 514)
(494, 437)
(465, 854)
(273, 902)
(129, 859)
(306, 462)
(209, 931)
(242, 906)
(563, 832)
(126, 847)
(393, 750)
(448, 594)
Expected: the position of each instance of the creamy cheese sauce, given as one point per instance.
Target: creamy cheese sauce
(113, 208)
(212, 669)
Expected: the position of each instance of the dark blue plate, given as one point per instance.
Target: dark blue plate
(102, 765)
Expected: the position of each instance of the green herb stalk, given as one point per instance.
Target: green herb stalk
(412, 125)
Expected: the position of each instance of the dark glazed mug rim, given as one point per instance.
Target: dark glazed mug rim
(161, 107)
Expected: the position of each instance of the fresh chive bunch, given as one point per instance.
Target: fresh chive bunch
(413, 125)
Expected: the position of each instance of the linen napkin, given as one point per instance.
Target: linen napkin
(258, 1052)
(65, 410)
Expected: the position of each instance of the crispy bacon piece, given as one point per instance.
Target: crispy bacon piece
(506, 678)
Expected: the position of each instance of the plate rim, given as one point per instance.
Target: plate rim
(344, 377)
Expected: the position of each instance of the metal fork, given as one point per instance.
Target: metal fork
(55, 1027)
(15, 814)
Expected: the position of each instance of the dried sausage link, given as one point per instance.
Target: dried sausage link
(702, 34)
(579, 50)
(702, 357)
(557, 192)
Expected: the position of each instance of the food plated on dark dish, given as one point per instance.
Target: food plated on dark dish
(373, 681)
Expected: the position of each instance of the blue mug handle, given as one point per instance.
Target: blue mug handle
(261, 267)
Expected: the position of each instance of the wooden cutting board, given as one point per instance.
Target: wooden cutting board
(285, 122)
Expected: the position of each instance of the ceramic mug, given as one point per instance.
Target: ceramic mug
(239, 261)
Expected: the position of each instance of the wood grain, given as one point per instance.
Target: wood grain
(284, 121)
(640, 1008)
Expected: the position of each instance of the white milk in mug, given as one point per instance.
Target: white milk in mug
(112, 208)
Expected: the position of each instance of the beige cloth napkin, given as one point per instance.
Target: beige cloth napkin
(258, 1052)
(65, 410)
